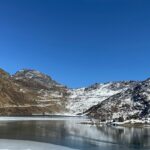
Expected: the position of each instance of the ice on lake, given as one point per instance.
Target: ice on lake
(28, 145)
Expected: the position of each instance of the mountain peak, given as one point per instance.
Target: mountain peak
(31, 73)
(35, 78)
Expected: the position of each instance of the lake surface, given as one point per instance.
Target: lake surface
(64, 133)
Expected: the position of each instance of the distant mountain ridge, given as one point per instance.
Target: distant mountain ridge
(30, 92)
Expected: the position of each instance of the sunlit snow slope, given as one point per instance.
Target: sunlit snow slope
(82, 99)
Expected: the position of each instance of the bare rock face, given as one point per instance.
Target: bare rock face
(10, 95)
(30, 92)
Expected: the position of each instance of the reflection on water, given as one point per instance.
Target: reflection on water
(70, 133)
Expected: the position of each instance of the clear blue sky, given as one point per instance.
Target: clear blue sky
(77, 42)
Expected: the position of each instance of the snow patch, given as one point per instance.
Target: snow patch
(81, 99)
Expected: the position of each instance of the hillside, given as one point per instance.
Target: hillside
(134, 102)
(30, 92)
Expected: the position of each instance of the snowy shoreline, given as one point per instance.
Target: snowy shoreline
(127, 123)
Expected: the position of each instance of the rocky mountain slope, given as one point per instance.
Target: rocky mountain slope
(30, 92)
(134, 102)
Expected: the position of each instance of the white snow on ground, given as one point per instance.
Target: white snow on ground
(147, 95)
(29, 145)
(134, 121)
(81, 100)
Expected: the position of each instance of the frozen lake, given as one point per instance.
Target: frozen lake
(66, 133)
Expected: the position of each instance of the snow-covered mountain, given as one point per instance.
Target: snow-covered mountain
(83, 98)
(30, 92)
(134, 102)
